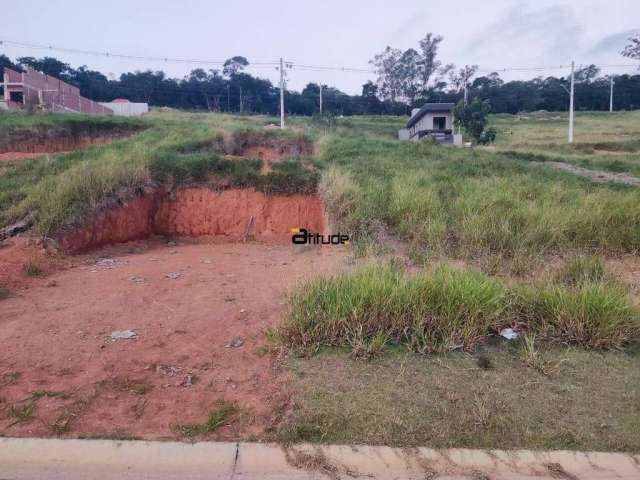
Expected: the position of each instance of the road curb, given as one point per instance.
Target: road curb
(53, 459)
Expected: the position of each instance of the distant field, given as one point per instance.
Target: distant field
(602, 140)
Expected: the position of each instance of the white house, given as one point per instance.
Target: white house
(432, 120)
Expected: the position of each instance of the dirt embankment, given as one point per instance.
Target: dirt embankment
(235, 214)
(27, 143)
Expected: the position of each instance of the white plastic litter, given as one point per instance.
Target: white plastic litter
(509, 333)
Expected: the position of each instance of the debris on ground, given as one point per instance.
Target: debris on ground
(173, 275)
(188, 380)
(123, 335)
(168, 370)
(51, 283)
(106, 263)
(235, 343)
(509, 333)
(137, 280)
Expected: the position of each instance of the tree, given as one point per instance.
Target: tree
(387, 68)
(633, 49)
(429, 64)
(473, 117)
(460, 79)
(408, 71)
(234, 65)
(586, 73)
(49, 65)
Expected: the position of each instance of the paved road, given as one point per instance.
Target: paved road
(105, 460)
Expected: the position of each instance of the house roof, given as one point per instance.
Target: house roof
(429, 107)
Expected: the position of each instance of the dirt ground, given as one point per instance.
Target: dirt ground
(599, 176)
(9, 156)
(199, 311)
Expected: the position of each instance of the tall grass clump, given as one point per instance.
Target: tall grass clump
(592, 315)
(446, 310)
(450, 309)
(581, 269)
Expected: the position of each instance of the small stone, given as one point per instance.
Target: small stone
(171, 243)
(123, 335)
(235, 343)
(52, 283)
(208, 262)
(137, 280)
(173, 275)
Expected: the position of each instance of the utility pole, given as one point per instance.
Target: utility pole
(281, 93)
(571, 103)
(320, 85)
(611, 94)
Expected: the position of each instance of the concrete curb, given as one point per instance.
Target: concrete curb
(27, 458)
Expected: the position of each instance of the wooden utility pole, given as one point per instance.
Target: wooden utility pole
(571, 103)
(320, 85)
(281, 93)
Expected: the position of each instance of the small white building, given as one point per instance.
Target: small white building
(124, 108)
(433, 120)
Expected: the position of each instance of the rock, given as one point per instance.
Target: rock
(235, 343)
(173, 275)
(137, 280)
(106, 263)
(52, 283)
(123, 335)
(168, 370)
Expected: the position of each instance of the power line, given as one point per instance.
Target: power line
(274, 64)
(126, 56)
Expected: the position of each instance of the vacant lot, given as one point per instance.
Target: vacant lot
(395, 338)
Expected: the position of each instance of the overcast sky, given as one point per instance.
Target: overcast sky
(491, 33)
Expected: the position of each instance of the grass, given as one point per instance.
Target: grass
(64, 189)
(33, 269)
(461, 203)
(4, 292)
(220, 415)
(449, 309)
(22, 413)
(586, 402)
(581, 270)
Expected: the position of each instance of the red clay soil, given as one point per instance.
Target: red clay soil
(200, 211)
(17, 252)
(9, 156)
(62, 144)
(56, 340)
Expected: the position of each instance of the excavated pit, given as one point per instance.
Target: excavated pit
(30, 143)
(229, 215)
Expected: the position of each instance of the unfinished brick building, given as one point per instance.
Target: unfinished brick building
(32, 89)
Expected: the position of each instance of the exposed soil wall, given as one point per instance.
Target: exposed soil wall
(59, 140)
(200, 211)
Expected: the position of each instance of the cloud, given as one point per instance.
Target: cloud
(613, 43)
(548, 34)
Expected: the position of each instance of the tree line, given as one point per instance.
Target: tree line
(405, 80)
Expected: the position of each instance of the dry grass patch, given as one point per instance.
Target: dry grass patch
(589, 402)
